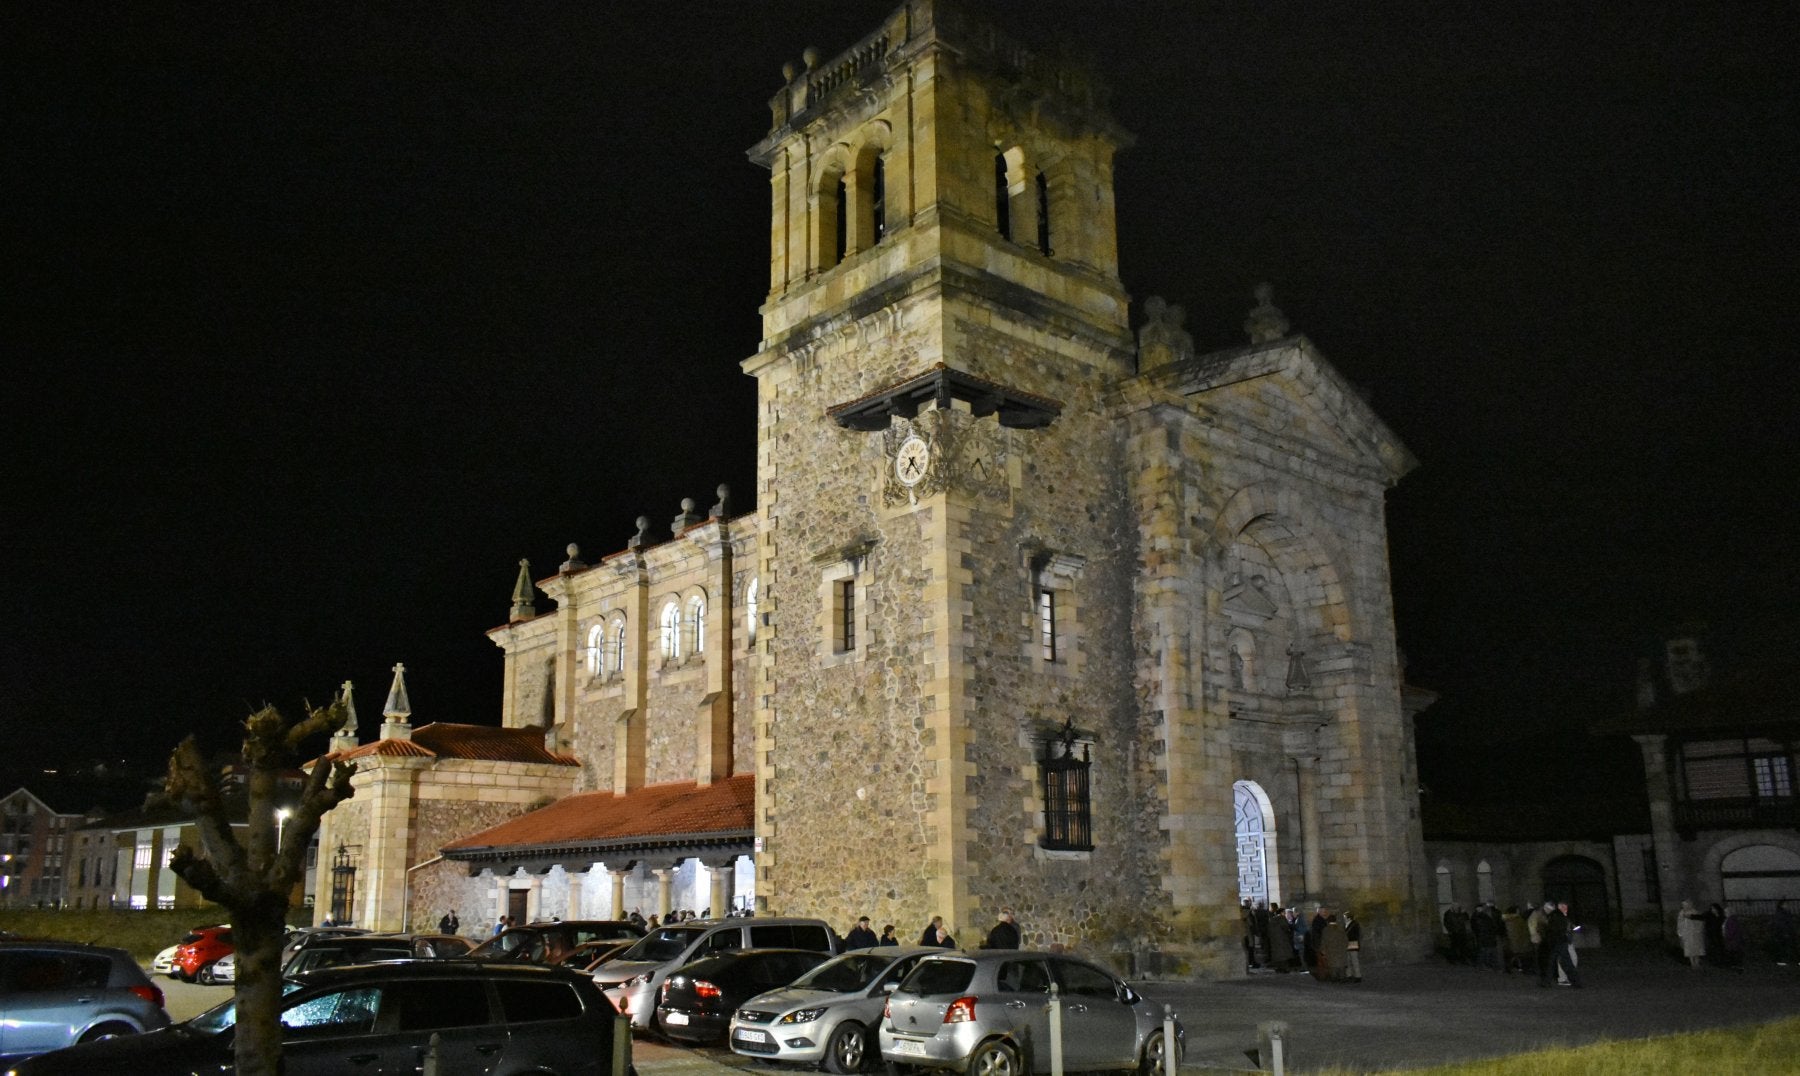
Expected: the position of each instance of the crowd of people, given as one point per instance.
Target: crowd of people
(1328, 946)
(1522, 939)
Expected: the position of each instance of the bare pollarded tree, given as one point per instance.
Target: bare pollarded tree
(252, 878)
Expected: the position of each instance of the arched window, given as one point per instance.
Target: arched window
(671, 632)
(841, 202)
(1484, 882)
(1446, 890)
(596, 649)
(750, 610)
(1002, 197)
(878, 199)
(1043, 213)
(696, 625)
(618, 649)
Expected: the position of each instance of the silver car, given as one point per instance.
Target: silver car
(988, 1013)
(829, 1015)
(54, 994)
(631, 979)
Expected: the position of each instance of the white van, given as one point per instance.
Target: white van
(632, 979)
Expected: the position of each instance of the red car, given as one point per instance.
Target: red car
(199, 950)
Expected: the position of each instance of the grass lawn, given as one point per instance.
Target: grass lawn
(142, 934)
(1757, 1049)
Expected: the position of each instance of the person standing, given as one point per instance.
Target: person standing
(1005, 934)
(1690, 927)
(1333, 948)
(887, 936)
(860, 936)
(1785, 934)
(928, 936)
(1534, 926)
(449, 923)
(1353, 946)
(1560, 942)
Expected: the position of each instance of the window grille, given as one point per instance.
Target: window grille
(671, 632)
(1774, 778)
(1002, 197)
(846, 615)
(841, 195)
(878, 199)
(1068, 811)
(1047, 623)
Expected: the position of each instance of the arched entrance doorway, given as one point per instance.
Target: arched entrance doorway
(1581, 883)
(1753, 878)
(1258, 880)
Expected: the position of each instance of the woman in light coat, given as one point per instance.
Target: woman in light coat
(1690, 927)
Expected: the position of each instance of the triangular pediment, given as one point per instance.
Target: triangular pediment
(1309, 394)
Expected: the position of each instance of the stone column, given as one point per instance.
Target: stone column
(618, 891)
(724, 879)
(1306, 791)
(665, 891)
(1659, 790)
(573, 909)
(502, 883)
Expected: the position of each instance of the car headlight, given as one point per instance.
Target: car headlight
(803, 1016)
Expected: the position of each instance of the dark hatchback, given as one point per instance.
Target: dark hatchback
(549, 943)
(696, 1001)
(498, 1019)
(369, 948)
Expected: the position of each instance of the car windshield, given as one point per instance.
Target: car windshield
(661, 945)
(224, 1017)
(845, 974)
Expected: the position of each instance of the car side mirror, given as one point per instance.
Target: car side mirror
(890, 987)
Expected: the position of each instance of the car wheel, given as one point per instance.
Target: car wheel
(848, 1049)
(107, 1031)
(1155, 1051)
(205, 976)
(994, 1059)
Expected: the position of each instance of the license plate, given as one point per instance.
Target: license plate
(907, 1048)
(748, 1035)
(676, 1018)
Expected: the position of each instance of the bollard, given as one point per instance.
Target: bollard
(1170, 1063)
(428, 1065)
(621, 1051)
(1273, 1048)
(1056, 1058)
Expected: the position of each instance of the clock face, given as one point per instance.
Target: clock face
(910, 462)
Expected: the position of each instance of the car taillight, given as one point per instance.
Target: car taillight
(887, 1011)
(961, 1011)
(149, 992)
(705, 989)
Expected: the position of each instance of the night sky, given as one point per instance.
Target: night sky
(316, 321)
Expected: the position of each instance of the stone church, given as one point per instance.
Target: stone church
(1033, 611)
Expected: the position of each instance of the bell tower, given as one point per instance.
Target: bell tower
(943, 559)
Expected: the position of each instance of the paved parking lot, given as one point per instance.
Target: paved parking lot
(1404, 1016)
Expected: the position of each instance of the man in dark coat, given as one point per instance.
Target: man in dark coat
(1559, 938)
(860, 936)
(1005, 934)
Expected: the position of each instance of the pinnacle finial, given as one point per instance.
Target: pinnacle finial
(574, 563)
(723, 507)
(346, 696)
(524, 597)
(398, 707)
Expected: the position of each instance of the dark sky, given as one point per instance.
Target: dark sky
(316, 321)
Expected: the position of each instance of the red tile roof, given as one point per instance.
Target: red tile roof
(441, 739)
(676, 813)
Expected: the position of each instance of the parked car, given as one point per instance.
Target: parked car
(223, 971)
(550, 942)
(198, 950)
(53, 994)
(164, 962)
(632, 978)
(590, 955)
(495, 1018)
(695, 1003)
(369, 948)
(830, 1015)
(305, 936)
(984, 1013)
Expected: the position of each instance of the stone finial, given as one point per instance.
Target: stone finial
(688, 516)
(524, 598)
(810, 57)
(723, 507)
(1162, 340)
(347, 735)
(574, 563)
(642, 537)
(398, 709)
(789, 71)
(1265, 323)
